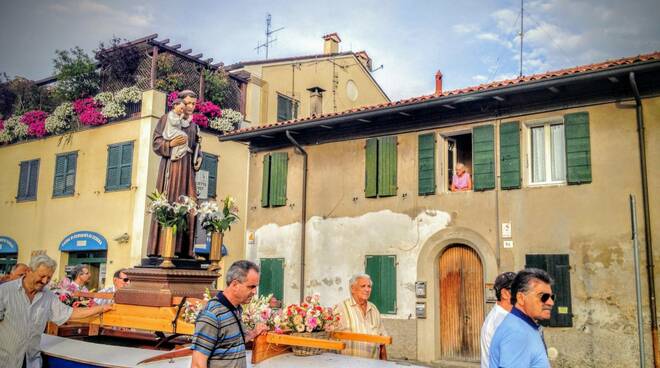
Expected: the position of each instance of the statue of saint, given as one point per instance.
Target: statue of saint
(177, 141)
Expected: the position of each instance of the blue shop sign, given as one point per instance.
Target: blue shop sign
(8, 245)
(83, 241)
(206, 247)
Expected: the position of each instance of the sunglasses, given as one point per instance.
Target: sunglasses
(546, 296)
(126, 279)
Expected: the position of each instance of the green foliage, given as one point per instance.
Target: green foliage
(76, 74)
(20, 95)
(118, 63)
(167, 78)
(7, 97)
(217, 87)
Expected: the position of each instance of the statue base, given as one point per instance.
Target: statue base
(155, 287)
(180, 263)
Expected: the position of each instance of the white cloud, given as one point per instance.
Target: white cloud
(465, 28)
(479, 78)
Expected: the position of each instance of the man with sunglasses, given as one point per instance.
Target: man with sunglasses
(501, 309)
(119, 280)
(517, 341)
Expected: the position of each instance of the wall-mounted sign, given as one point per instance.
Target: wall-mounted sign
(420, 289)
(8, 245)
(83, 241)
(420, 310)
(202, 184)
(506, 229)
(508, 244)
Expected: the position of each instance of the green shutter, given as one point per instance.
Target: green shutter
(483, 157)
(371, 168)
(23, 180)
(70, 178)
(265, 182)
(278, 173)
(210, 165)
(510, 155)
(272, 277)
(557, 265)
(126, 165)
(382, 270)
(426, 163)
(112, 175)
(32, 179)
(578, 152)
(387, 183)
(60, 175)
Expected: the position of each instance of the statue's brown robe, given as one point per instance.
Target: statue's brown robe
(179, 181)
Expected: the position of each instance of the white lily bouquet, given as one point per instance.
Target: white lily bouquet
(218, 220)
(171, 214)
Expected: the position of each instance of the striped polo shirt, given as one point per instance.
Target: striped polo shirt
(219, 334)
(352, 319)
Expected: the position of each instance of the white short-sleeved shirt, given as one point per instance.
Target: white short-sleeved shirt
(22, 322)
(492, 321)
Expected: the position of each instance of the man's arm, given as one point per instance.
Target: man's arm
(258, 330)
(79, 313)
(199, 360)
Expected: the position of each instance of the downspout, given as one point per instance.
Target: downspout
(650, 274)
(303, 215)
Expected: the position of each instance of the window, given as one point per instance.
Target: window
(559, 269)
(210, 165)
(287, 108)
(459, 150)
(382, 270)
(27, 181)
(272, 277)
(381, 167)
(426, 163)
(547, 153)
(65, 174)
(120, 166)
(273, 187)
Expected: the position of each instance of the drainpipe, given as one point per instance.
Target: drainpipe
(303, 215)
(650, 274)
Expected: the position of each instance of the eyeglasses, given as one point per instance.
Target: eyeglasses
(546, 296)
(125, 279)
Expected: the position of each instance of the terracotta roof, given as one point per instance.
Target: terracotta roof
(241, 64)
(482, 87)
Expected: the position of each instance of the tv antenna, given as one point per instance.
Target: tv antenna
(269, 35)
(521, 37)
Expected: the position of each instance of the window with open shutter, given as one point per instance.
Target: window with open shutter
(578, 151)
(426, 164)
(210, 165)
(65, 174)
(273, 189)
(272, 277)
(120, 166)
(287, 108)
(558, 267)
(510, 155)
(483, 157)
(27, 180)
(382, 270)
(381, 167)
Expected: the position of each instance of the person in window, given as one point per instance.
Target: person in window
(461, 181)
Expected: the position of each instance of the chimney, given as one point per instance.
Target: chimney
(331, 43)
(364, 59)
(438, 83)
(315, 100)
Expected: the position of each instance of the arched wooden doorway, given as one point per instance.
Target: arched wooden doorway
(461, 303)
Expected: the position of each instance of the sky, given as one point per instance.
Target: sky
(469, 41)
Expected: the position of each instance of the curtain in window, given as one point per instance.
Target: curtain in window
(558, 153)
(538, 154)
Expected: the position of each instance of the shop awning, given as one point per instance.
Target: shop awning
(82, 241)
(8, 245)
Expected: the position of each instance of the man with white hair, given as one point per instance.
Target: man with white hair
(361, 316)
(26, 305)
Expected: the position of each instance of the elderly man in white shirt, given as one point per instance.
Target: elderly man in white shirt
(26, 305)
(502, 307)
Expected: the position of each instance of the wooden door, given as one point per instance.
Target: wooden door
(461, 303)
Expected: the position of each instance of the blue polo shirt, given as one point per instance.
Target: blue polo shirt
(517, 343)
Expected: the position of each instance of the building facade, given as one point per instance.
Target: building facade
(554, 159)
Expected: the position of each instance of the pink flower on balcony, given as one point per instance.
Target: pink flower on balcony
(200, 120)
(36, 122)
(2, 124)
(89, 112)
(209, 109)
(171, 97)
(84, 104)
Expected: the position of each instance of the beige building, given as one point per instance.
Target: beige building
(553, 157)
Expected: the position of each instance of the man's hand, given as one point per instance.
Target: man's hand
(258, 330)
(178, 140)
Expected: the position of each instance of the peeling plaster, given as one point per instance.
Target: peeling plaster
(336, 250)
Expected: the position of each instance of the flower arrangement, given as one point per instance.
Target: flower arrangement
(64, 291)
(230, 120)
(215, 220)
(61, 119)
(36, 122)
(191, 310)
(259, 311)
(309, 316)
(171, 214)
(18, 129)
(89, 112)
(128, 95)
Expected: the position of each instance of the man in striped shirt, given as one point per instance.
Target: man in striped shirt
(360, 316)
(219, 339)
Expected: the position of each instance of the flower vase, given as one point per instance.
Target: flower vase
(215, 255)
(167, 236)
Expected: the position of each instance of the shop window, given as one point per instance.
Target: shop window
(273, 187)
(27, 181)
(382, 270)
